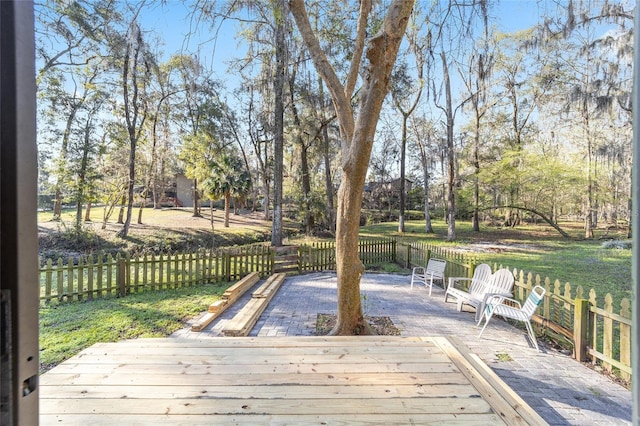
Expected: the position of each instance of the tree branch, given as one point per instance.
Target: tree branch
(381, 53)
(341, 102)
(361, 32)
(537, 213)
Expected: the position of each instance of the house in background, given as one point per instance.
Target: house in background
(184, 192)
(385, 195)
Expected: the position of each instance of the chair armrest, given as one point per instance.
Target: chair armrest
(499, 298)
(418, 270)
(452, 281)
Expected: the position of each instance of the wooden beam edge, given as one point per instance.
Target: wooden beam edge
(509, 405)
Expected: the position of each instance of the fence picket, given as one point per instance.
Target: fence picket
(90, 272)
(625, 337)
(109, 279)
(161, 278)
(152, 272)
(70, 274)
(594, 322)
(80, 279)
(48, 278)
(99, 277)
(607, 331)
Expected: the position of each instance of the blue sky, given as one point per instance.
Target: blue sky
(178, 30)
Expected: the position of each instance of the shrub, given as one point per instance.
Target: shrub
(617, 244)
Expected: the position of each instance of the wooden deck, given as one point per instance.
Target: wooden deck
(289, 380)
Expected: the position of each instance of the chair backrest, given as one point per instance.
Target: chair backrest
(533, 301)
(436, 267)
(501, 282)
(481, 276)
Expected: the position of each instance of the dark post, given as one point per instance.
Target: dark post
(19, 283)
(635, 226)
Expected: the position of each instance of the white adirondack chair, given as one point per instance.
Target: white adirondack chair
(499, 283)
(481, 276)
(496, 306)
(434, 271)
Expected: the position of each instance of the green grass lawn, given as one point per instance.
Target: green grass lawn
(533, 248)
(66, 329)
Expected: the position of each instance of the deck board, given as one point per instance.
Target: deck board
(305, 380)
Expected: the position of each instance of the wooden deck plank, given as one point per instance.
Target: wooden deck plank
(306, 380)
(300, 420)
(248, 406)
(238, 379)
(268, 355)
(298, 368)
(272, 342)
(258, 391)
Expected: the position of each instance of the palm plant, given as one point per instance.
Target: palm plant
(228, 178)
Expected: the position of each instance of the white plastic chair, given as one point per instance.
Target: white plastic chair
(434, 271)
(496, 306)
(481, 275)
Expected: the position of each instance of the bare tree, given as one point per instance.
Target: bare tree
(136, 72)
(401, 87)
(357, 133)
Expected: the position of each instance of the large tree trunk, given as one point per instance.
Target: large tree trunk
(227, 207)
(328, 182)
(451, 196)
(123, 202)
(357, 135)
(132, 175)
(475, 220)
(87, 212)
(82, 174)
(305, 183)
(278, 146)
(427, 214)
(349, 267)
(196, 199)
(403, 155)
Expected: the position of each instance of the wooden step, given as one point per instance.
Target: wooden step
(242, 323)
(230, 296)
(239, 288)
(271, 285)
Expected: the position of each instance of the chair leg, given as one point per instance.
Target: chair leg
(532, 336)
(483, 314)
(413, 278)
(485, 324)
(430, 285)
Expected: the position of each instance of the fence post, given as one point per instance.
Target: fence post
(581, 329)
(121, 277)
(227, 264)
(394, 249)
(471, 269)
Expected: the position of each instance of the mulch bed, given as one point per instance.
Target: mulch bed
(382, 325)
